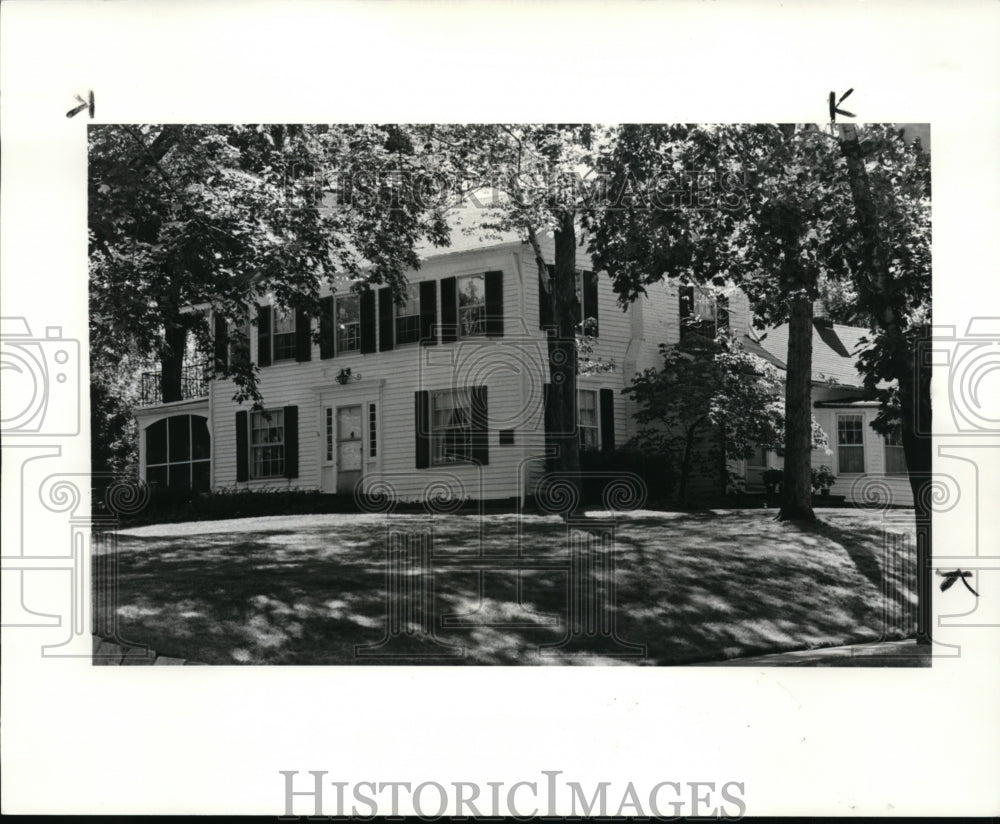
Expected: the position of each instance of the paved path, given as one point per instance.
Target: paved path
(879, 654)
(109, 654)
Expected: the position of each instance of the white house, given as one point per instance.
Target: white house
(443, 396)
(864, 462)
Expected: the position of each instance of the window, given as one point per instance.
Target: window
(587, 419)
(451, 426)
(408, 318)
(267, 443)
(703, 314)
(895, 460)
(472, 305)
(178, 453)
(850, 444)
(329, 434)
(372, 432)
(347, 320)
(283, 334)
(586, 294)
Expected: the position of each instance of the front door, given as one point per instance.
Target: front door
(348, 447)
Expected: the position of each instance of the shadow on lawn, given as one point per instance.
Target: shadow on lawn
(689, 588)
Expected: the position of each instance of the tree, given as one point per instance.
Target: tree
(890, 187)
(186, 220)
(536, 179)
(712, 390)
(758, 206)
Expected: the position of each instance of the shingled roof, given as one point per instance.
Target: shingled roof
(835, 351)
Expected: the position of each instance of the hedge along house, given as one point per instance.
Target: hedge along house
(864, 462)
(443, 397)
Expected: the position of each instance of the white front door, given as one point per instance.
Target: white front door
(342, 463)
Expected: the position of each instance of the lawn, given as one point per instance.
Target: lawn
(651, 588)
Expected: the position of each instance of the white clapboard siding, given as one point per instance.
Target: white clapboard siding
(513, 369)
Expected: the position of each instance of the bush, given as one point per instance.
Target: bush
(655, 471)
(822, 477)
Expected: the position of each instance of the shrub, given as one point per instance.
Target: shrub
(655, 471)
(822, 477)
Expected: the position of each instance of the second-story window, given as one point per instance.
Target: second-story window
(472, 305)
(702, 314)
(408, 318)
(347, 322)
(283, 334)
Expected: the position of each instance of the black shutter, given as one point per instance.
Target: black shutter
(242, 447)
(303, 336)
(449, 309)
(428, 311)
(422, 419)
(722, 312)
(494, 304)
(480, 426)
(607, 420)
(367, 305)
(291, 441)
(221, 342)
(386, 320)
(264, 335)
(326, 327)
(590, 299)
(545, 299)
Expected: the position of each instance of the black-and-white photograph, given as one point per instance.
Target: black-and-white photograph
(499, 409)
(512, 394)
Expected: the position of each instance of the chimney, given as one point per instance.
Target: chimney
(820, 316)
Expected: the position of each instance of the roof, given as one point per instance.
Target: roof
(754, 348)
(835, 351)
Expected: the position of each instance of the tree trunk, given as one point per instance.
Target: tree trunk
(913, 378)
(562, 353)
(797, 487)
(172, 363)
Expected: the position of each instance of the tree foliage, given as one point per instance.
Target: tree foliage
(712, 393)
(210, 218)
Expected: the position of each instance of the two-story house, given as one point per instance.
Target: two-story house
(441, 397)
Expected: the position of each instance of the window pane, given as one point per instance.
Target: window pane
(372, 431)
(284, 346)
(408, 318)
(347, 316)
(156, 477)
(849, 430)
(201, 443)
(180, 476)
(852, 459)
(180, 438)
(472, 305)
(156, 443)
(284, 321)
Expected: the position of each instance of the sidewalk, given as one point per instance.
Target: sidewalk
(879, 654)
(108, 654)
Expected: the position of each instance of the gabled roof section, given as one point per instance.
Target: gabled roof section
(835, 351)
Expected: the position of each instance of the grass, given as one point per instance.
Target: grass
(687, 587)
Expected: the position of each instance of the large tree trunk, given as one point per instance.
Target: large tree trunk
(562, 353)
(913, 379)
(797, 487)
